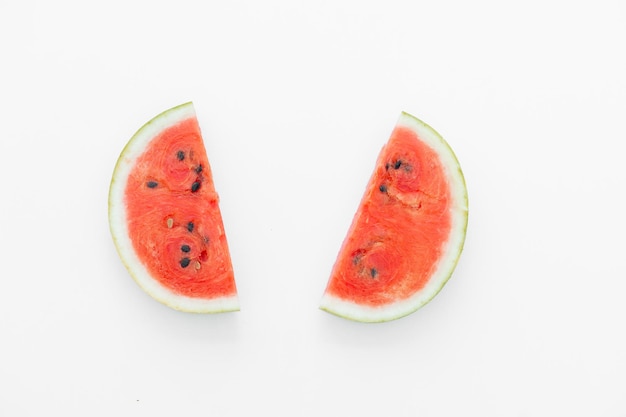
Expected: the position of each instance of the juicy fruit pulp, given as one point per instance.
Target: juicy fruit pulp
(408, 232)
(165, 217)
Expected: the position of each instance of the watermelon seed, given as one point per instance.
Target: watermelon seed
(184, 262)
(152, 184)
(195, 186)
(383, 188)
(185, 248)
(190, 226)
(196, 265)
(180, 155)
(387, 166)
(170, 223)
(373, 272)
(398, 164)
(198, 169)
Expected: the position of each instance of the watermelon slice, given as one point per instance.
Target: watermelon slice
(408, 232)
(165, 218)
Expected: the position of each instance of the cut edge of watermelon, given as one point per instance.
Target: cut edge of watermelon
(118, 225)
(453, 248)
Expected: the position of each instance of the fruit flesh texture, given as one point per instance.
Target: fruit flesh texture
(174, 218)
(400, 229)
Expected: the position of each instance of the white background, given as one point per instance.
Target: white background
(295, 100)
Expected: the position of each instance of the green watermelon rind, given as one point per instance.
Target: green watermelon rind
(117, 219)
(446, 266)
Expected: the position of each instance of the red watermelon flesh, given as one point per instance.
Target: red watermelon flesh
(165, 216)
(408, 232)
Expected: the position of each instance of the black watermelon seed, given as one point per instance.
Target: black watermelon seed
(373, 272)
(184, 262)
(185, 248)
(152, 184)
(180, 155)
(190, 226)
(398, 164)
(383, 188)
(199, 169)
(357, 255)
(195, 186)
(387, 166)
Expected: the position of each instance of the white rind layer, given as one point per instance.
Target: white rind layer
(118, 224)
(452, 249)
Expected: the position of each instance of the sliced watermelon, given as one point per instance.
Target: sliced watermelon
(408, 232)
(165, 218)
